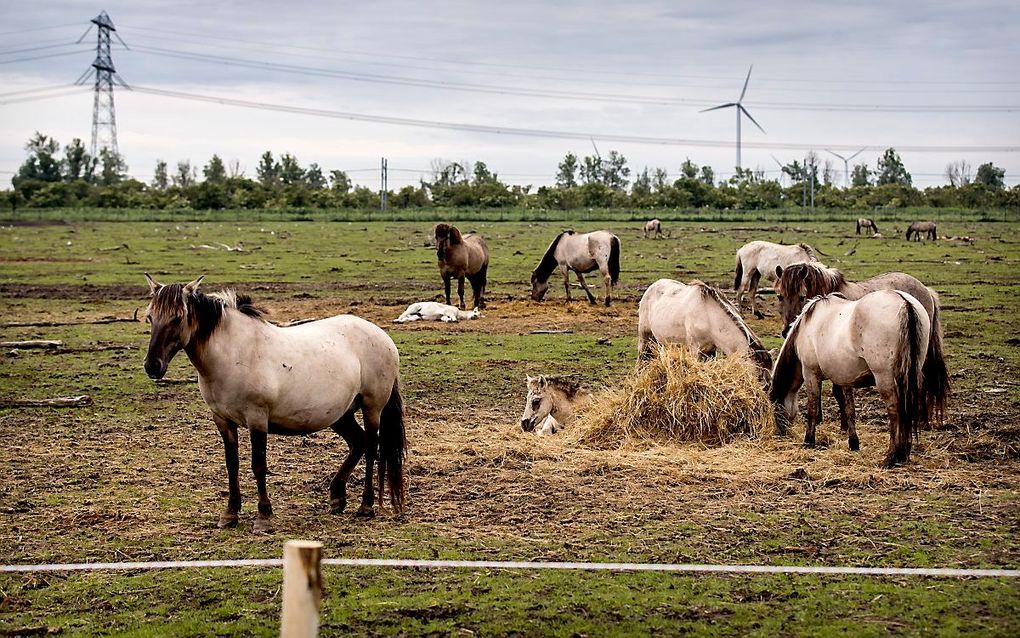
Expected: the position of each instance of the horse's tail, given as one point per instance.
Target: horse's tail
(739, 274)
(393, 449)
(858, 227)
(614, 259)
(911, 404)
(786, 374)
(936, 376)
(909, 228)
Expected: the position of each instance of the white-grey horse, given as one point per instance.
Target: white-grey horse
(581, 253)
(759, 259)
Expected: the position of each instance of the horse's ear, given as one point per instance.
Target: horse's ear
(153, 284)
(193, 286)
(779, 272)
(542, 381)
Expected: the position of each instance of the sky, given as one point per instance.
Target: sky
(912, 75)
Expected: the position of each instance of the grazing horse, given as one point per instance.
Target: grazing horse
(760, 258)
(867, 224)
(918, 228)
(462, 256)
(550, 404)
(293, 380)
(653, 226)
(878, 340)
(435, 311)
(582, 254)
(700, 317)
(801, 282)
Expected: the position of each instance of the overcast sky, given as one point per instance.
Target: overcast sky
(864, 53)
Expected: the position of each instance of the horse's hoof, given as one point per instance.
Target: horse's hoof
(809, 444)
(336, 506)
(855, 445)
(365, 511)
(263, 526)
(227, 520)
(759, 314)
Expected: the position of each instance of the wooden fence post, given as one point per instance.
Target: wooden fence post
(302, 589)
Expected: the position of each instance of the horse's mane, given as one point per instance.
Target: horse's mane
(815, 279)
(548, 263)
(567, 385)
(809, 250)
(787, 360)
(731, 312)
(241, 302)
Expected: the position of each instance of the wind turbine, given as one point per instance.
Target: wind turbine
(739, 104)
(782, 173)
(846, 164)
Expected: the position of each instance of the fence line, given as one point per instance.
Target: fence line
(527, 565)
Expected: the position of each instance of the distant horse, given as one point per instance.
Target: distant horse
(878, 340)
(293, 380)
(867, 224)
(462, 256)
(550, 404)
(582, 254)
(918, 228)
(801, 282)
(435, 311)
(700, 317)
(760, 258)
(653, 226)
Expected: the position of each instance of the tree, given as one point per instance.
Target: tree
(42, 163)
(591, 170)
(615, 173)
(314, 177)
(290, 170)
(991, 176)
(958, 173)
(661, 180)
(861, 175)
(78, 164)
(707, 175)
(215, 171)
(185, 175)
(642, 185)
(567, 175)
(828, 172)
(159, 178)
(483, 175)
(111, 167)
(689, 169)
(891, 169)
(339, 181)
(268, 170)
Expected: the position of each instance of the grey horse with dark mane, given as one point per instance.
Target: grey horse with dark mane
(580, 253)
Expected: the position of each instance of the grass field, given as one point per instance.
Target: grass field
(139, 475)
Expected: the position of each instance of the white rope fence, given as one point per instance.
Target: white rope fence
(526, 565)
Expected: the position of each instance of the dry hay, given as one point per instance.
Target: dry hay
(675, 397)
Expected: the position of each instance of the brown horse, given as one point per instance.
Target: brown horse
(868, 225)
(799, 283)
(878, 340)
(921, 228)
(462, 256)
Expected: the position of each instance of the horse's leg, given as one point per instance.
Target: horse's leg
(460, 291)
(752, 285)
(607, 280)
(813, 388)
(847, 414)
(566, 282)
(259, 468)
(887, 391)
(446, 287)
(228, 431)
(584, 285)
(348, 428)
(372, 421)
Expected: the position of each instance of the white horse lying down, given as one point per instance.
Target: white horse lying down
(435, 311)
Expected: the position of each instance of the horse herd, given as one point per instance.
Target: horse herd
(883, 332)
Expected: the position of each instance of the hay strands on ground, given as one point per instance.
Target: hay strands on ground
(57, 402)
(34, 344)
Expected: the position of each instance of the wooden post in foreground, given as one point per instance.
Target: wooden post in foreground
(302, 589)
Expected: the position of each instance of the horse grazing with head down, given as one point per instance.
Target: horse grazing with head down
(878, 340)
(698, 316)
(294, 380)
(653, 226)
(582, 254)
(868, 225)
(921, 228)
(800, 282)
(550, 404)
(759, 259)
(462, 256)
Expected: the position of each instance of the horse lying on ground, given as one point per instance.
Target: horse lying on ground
(653, 226)
(462, 256)
(294, 380)
(760, 258)
(550, 404)
(435, 311)
(582, 254)
(700, 317)
(921, 228)
(868, 225)
(878, 340)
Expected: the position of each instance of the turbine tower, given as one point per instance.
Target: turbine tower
(846, 164)
(739, 104)
(104, 117)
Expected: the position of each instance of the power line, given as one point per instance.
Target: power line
(42, 57)
(56, 26)
(38, 48)
(35, 98)
(552, 134)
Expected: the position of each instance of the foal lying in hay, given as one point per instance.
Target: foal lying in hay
(676, 397)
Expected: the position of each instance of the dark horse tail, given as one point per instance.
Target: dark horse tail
(911, 405)
(614, 259)
(739, 275)
(393, 449)
(936, 376)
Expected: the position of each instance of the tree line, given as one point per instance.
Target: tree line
(52, 176)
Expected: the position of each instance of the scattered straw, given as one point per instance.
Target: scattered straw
(675, 397)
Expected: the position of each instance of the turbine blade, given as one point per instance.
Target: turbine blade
(776, 160)
(857, 153)
(721, 106)
(744, 111)
(746, 80)
(845, 159)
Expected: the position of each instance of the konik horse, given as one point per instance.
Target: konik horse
(582, 253)
(921, 228)
(759, 259)
(462, 256)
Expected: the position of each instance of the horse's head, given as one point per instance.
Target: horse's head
(538, 288)
(172, 325)
(762, 359)
(445, 236)
(538, 404)
(475, 313)
(790, 293)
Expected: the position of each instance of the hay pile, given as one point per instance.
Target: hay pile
(677, 398)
